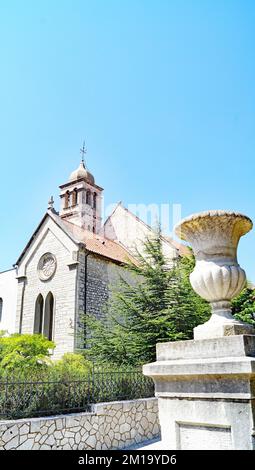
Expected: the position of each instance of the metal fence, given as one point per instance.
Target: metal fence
(22, 398)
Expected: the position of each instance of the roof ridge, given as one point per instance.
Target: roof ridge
(117, 205)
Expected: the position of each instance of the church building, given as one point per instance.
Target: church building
(68, 265)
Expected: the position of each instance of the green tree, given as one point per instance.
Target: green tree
(158, 306)
(243, 306)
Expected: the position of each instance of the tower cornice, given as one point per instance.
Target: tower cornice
(73, 183)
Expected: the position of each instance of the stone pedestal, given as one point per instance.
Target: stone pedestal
(206, 392)
(206, 387)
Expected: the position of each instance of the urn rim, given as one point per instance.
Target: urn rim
(187, 222)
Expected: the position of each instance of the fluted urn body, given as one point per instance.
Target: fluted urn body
(217, 277)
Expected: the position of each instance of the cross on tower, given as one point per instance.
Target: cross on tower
(83, 151)
(51, 203)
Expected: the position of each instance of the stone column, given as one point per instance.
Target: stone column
(206, 386)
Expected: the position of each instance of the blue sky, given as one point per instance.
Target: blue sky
(163, 91)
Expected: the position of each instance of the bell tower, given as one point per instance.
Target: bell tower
(81, 199)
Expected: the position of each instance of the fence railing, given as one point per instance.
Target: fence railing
(22, 398)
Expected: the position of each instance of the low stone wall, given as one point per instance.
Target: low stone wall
(113, 425)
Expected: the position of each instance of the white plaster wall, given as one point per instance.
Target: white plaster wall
(8, 292)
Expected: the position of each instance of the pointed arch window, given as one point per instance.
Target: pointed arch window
(38, 321)
(48, 316)
(74, 197)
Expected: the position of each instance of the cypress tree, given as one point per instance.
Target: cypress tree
(157, 304)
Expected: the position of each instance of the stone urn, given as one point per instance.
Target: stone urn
(217, 277)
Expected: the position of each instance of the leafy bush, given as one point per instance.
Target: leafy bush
(24, 398)
(27, 398)
(71, 367)
(33, 385)
(24, 354)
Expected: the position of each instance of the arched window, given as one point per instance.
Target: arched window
(74, 197)
(48, 316)
(1, 308)
(67, 199)
(94, 200)
(88, 197)
(38, 314)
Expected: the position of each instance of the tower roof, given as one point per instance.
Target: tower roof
(80, 173)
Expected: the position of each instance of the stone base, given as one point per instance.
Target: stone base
(206, 392)
(217, 329)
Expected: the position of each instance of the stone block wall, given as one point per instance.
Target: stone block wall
(62, 286)
(114, 425)
(102, 275)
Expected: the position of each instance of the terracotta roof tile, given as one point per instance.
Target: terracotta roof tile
(97, 244)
